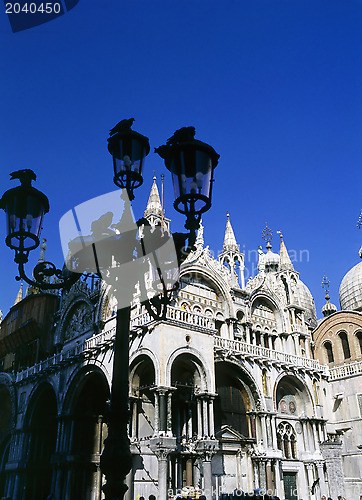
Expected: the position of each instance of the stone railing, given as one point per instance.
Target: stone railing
(345, 370)
(75, 350)
(300, 329)
(177, 315)
(266, 354)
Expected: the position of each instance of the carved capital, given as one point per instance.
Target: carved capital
(162, 446)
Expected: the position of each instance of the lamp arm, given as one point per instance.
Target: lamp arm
(42, 273)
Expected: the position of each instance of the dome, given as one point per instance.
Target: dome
(328, 307)
(350, 291)
(307, 302)
(271, 259)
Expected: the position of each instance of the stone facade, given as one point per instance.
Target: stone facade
(224, 392)
(338, 343)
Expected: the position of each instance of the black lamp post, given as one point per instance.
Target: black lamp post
(191, 163)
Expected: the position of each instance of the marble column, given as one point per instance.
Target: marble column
(205, 417)
(269, 475)
(304, 434)
(323, 487)
(199, 418)
(59, 449)
(256, 473)
(297, 345)
(320, 431)
(277, 480)
(269, 431)
(310, 476)
(262, 475)
(211, 416)
(163, 410)
(263, 430)
(162, 477)
(189, 423)
(315, 435)
(189, 479)
(169, 414)
(157, 414)
(274, 430)
(307, 347)
(253, 424)
(206, 463)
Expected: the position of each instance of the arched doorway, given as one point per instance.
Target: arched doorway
(143, 422)
(187, 422)
(6, 422)
(41, 428)
(88, 434)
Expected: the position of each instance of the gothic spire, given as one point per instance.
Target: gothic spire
(200, 236)
(229, 240)
(154, 206)
(19, 297)
(285, 262)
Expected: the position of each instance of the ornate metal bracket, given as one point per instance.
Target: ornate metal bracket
(43, 272)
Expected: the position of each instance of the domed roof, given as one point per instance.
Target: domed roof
(271, 259)
(350, 291)
(328, 307)
(307, 301)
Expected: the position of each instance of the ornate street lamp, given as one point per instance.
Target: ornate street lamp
(25, 207)
(129, 150)
(191, 163)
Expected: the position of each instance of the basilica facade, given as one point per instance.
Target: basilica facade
(234, 391)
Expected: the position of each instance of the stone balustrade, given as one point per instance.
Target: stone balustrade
(179, 316)
(75, 350)
(266, 354)
(344, 371)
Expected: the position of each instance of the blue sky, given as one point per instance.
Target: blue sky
(274, 86)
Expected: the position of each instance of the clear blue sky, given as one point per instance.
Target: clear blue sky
(274, 86)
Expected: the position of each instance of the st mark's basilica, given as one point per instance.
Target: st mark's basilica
(240, 388)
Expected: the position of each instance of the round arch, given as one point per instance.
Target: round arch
(78, 378)
(272, 301)
(357, 337)
(84, 431)
(40, 424)
(250, 385)
(195, 357)
(294, 392)
(145, 352)
(214, 280)
(142, 368)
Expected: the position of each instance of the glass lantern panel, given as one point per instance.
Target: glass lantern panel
(24, 221)
(192, 173)
(129, 154)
